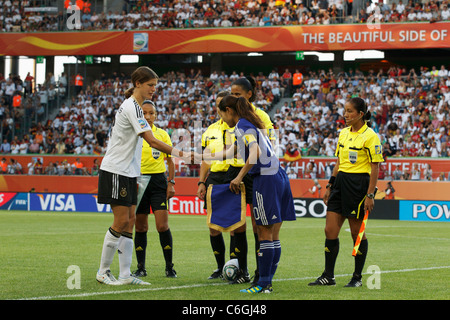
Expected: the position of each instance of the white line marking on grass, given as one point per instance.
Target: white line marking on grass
(92, 294)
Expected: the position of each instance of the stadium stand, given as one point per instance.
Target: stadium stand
(26, 16)
(410, 111)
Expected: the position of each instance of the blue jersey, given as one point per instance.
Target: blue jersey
(247, 134)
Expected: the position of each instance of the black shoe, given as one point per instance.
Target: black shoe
(242, 277)
(255, 278)
(323, 280)
(354, 282)
(141, 272)
(217, 274)
(170, 271)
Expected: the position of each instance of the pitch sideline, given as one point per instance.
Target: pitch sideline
(92, 294)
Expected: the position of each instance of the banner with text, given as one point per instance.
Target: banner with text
(336, 37)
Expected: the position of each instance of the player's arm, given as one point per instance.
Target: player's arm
(171, 170)
(201, 190)
(369, 202)
(254, 153)
(164, 147)
(330, 182)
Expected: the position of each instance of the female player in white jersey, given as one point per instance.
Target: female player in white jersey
(119, 169)
(272, 196)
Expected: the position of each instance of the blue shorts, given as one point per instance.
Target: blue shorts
(272, 199)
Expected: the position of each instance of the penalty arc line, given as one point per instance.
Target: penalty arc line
(92, 294)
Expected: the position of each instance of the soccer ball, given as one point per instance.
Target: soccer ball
(230, 270)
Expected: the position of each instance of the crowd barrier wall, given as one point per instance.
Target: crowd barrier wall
(406, 210)
(262, 39)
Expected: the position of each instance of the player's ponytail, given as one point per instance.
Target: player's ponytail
(361, 106)
(243, 109)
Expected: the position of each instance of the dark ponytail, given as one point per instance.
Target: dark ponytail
(361, 106)
(247, 84)
(243, 109)
(141, 75)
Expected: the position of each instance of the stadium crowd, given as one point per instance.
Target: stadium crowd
(410, 111)
(160, 14)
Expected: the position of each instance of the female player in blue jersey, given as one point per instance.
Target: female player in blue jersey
(272, 196)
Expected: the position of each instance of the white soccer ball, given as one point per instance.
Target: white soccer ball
(230, 270)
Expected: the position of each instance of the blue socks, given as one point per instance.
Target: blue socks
(268, 258)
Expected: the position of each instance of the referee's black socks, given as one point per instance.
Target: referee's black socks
(140, 246)
(360, 258)
(331, 253)
(218, 247)
(165, 239)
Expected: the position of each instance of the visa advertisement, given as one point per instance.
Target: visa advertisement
(406, 210)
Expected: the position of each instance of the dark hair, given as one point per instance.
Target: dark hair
(247, 84)
(222, 94)
(149, 102)
(243, 109)
(141, 75)
(361, 106)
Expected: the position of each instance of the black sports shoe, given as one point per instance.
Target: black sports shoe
(217, 274)
(323, 280)
(255, 278)
(140, 272)
(242, 277)
(354, 282)
(170, 271)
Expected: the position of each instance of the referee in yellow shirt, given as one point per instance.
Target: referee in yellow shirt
(156, 196)
(213, 139)
(351, 189)
(246, 87)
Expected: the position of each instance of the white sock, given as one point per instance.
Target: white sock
(125, 255)
(110, 244)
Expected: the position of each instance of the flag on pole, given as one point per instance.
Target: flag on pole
(226, 211)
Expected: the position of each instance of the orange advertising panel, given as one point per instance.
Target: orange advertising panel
(264, 39)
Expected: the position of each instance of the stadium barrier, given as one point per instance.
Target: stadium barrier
(405, 210)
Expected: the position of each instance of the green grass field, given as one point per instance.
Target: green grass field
(37, 249)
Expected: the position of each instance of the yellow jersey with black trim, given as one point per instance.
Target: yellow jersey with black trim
(153, 159)
(265, 118)
(214, 139)
(357, 150)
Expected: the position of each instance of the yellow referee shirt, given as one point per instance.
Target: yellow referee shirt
(265, 118)
(152, 159)
(214, 139)
(356, 150)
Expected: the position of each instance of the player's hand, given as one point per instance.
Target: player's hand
(369, 204)
(197, 158)
(235, 185)
(201, 191)
(326, 196)
(170, 191)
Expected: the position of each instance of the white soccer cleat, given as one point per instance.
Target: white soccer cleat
(132, 280)
(107, 278)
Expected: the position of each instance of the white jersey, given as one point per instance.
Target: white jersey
(124, 151)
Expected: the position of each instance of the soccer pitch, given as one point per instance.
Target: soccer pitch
(55, 256)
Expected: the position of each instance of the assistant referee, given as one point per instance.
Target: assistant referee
(159, 190)
(351, 189)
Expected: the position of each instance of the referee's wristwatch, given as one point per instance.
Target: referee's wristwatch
(370, 195)
(172, 181)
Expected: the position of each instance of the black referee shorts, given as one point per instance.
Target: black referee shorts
(348, 194)
(116, 189)
(214, 178)
(232, 173)
(155, 195)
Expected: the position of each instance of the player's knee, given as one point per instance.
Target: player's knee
(162, 227)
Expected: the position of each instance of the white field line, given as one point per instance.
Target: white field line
(146, 289)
